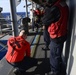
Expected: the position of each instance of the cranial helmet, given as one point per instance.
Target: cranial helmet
(46, 2)
(40, 1)
(52, 1)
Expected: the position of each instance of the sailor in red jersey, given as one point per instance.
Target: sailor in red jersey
(36, 18)
(55, 20)
(18, 53)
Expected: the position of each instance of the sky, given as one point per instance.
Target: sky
(5, 4)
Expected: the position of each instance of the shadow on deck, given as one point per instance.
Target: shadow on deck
(41, 68)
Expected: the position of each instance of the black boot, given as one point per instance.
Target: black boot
(18, 71)
(45, 48)
(53, 73)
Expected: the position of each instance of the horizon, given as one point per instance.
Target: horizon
(16, 12)
(5, 4)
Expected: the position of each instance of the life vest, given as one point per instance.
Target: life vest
(17, 48)
(59, 28)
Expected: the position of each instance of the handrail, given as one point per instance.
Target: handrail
(6, 34)
(3, 35)
(3, 48)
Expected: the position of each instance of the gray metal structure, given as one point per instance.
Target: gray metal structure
(70, 45)
(14, 17)
(26, 8)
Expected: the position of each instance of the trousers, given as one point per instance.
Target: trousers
(56, 55)
(46, 37)
(25, 64)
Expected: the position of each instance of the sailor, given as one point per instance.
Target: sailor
(56, 22)
(55, 19)
(19, 54)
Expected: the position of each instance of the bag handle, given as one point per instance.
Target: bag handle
(14, 47)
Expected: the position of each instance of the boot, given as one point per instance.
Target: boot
(45, 48)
